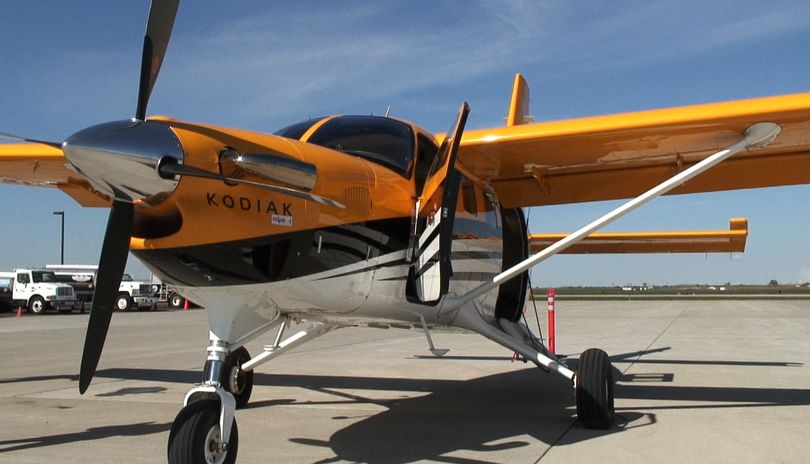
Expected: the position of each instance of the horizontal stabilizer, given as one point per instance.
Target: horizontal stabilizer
(713, 241)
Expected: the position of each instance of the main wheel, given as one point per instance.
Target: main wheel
(595, 390)
(175, 300)
(123, 302)
(196, 438)
(238, 382)
(37, 305)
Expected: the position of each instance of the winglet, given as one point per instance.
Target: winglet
(519, 105)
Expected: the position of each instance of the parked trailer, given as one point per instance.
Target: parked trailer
(6, 288)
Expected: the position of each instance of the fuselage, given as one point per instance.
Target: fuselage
(251, 254)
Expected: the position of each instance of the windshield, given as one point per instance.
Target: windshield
(43, 276)
(126, 278)
(380, 140)
(296, 131)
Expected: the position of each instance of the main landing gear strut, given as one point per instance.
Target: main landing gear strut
(593, 380)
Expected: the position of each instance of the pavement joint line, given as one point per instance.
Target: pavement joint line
(647, 348)
(630, 365)
(554, 443)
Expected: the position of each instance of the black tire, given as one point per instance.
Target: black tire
(175, 300)
(192, 431)
(123, 302)
(233, 379)
(595, 390)
(37, 305)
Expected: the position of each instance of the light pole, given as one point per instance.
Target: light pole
(62, 213)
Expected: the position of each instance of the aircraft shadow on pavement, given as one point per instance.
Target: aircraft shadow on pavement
(484, 414)
(93, 433)
(488, 414)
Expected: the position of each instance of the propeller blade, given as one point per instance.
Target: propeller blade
(24, 139)
(167, 170)
(158, 31)
(110, 269)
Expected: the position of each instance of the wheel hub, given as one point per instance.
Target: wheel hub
(215, 449)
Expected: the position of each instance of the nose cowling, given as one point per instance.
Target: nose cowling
(121, 158)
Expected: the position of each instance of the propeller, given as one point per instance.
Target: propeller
(110, 269)
(155, 41)
(136, 159)
(115, 248)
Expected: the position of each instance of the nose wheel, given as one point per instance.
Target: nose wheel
(196, 436)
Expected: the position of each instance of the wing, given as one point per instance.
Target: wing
(44, 166)
(623, 155)
(712, 241)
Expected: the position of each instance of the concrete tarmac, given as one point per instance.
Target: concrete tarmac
(697, 381)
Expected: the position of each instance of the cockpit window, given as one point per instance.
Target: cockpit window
(297, 130)
(380, 140)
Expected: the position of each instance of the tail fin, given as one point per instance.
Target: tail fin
(519, 105)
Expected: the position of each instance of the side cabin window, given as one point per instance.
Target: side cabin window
(384, 141)
(468, 196)
(477, 213)
(425, 153)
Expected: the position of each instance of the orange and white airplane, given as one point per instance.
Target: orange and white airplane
(374, 217)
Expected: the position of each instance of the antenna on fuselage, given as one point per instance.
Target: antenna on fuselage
(388, 111)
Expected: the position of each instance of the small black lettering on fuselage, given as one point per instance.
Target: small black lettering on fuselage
(248, 204)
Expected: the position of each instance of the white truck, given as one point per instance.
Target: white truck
(38, 290)
(139, 293)
(131, 293)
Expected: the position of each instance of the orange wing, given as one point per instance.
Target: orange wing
(714, 241)
(44, 166)
(623, 155)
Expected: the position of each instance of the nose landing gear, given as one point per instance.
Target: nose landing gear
(196, 436)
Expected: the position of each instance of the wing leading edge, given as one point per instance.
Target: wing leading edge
(40, 165)
(619, 156)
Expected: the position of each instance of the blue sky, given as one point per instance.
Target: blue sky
(263, 65)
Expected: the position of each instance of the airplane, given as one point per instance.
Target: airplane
(374, 217)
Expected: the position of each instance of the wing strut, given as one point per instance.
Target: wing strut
(757, 135)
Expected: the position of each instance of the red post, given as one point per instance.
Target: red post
(552, 323)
